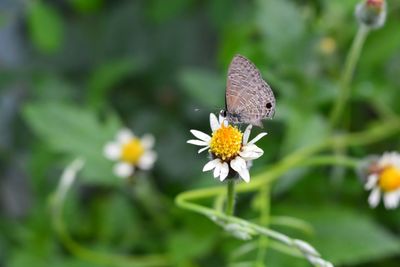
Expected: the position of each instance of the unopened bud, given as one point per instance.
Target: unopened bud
(371, 13)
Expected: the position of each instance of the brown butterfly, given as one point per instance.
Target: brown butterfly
(248, 98)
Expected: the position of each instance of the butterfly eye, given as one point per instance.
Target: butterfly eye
(268, 105)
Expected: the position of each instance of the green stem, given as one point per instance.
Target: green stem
(332, 160)
(230, 197)
(293, 223)
(265, 205)
(219, 202)
(182, 200)
(347, 75)
(105, 259)
(148, 197)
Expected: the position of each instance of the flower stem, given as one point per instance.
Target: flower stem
(347, 75)
(182, 200)
(332, 160)
(265, 205)
(230, 197)
(106, 259)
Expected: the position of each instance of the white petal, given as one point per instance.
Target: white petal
(123, 169)
(389, 158)
(374, 197)
(239, 165)
(391, 199)
(221, 119)
(214, 123)
(124, 136)
(245, 174)
(371, 181)
(251, 152)
(147, 160)
(217, 169)
(203, 149)
(210, 165)
(202, 136)
(249, 164)
(224, 171)
(396, 160)
(112, 151)
(197, 142)
(384, 160)
(147, 141)
(246, 134)
(258, 137)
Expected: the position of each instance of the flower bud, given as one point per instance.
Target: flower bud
(371, 13)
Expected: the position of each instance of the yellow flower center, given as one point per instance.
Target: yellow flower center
(226, 142)
(327, 45)
(389, 179)
(132, 151)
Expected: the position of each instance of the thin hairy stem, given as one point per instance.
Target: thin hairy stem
(347, 74)
(247, 227)
(230, 197)
(105, 259)
(264, 205)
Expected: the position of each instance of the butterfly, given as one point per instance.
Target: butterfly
(248, 98)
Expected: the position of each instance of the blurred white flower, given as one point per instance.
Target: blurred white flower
(229, 148)
(383, 178)
(130, 153)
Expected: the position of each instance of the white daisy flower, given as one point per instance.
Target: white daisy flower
(383, 178)
(229, 148)
(130, 152)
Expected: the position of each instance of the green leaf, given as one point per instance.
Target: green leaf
(45, 89)
(46, 27)
(75, 132)
(107, 76)
(206, 87)
(347, 237)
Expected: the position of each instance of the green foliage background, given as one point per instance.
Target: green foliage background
(72, 72)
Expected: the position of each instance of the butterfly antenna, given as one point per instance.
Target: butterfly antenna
(226, 106)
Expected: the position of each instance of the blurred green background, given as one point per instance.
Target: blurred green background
(72, 72)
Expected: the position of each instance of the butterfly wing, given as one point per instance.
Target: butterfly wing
(249, 99)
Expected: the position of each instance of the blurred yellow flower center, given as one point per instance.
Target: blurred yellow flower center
(327, 45)
(226, 142)
(132, 151)
(389, 180)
